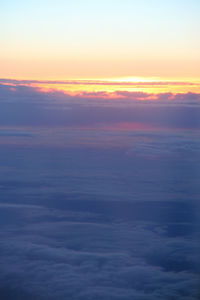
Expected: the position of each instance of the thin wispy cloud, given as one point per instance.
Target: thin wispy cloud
(99, 82)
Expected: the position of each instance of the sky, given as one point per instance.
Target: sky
(62, 40)
(99, 150)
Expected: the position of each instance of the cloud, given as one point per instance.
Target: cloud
(81, 259)
(97, 82)
(85, 224)
(27, 106)
(103, 201)
(174, 145)
(15, 133)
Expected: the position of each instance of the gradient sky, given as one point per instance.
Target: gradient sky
(99, 39)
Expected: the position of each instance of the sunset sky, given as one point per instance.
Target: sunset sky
(128, 41)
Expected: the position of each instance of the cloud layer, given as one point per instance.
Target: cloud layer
(28, 106)
(99, 197)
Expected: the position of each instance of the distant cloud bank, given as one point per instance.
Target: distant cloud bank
(22, 105)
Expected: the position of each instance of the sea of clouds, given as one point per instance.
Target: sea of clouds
(93, 209)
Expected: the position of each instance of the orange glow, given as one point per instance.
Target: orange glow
(111, 87)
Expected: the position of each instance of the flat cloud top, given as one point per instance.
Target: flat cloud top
(99, 197)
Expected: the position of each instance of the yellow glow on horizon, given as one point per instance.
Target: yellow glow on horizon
(134, 79)
(110, 87)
